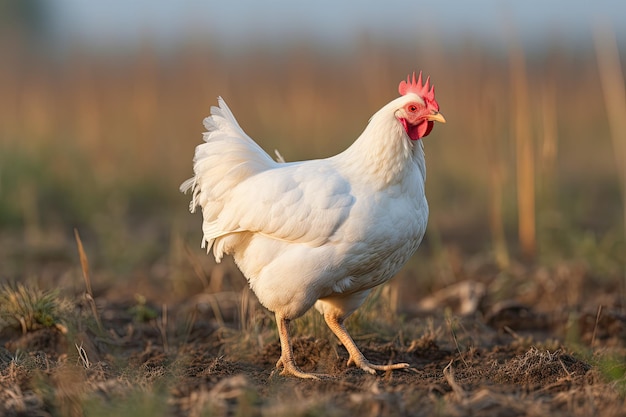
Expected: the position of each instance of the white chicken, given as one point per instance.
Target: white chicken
(322, 232)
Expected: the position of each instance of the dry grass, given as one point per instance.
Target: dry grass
(131, 123)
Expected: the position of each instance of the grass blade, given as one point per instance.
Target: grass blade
(84, 263)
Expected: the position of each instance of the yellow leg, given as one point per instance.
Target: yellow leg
(335, 323)
(286, 357)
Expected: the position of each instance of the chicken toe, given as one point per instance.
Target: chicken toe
(290, 369)
(363, 363)
(335, 323)
(286, 358)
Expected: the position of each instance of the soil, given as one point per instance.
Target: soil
(470, 353)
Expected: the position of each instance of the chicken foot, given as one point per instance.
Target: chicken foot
(335, 323)
(286, 357)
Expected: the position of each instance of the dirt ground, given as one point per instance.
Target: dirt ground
(471, 350)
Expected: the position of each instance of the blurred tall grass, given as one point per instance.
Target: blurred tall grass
(102, 139)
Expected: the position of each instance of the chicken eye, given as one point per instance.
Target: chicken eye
(412, 108)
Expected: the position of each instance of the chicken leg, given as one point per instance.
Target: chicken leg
(286, 357)
(335, 323)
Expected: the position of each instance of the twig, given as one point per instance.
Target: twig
(82, 354)
(448, 373)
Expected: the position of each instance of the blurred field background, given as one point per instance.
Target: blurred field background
(530, 165)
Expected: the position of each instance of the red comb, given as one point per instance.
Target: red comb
(413, 86)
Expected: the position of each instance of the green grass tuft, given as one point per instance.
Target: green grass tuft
(29, 308)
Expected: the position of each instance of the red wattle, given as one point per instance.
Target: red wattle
(420, 130)
(417, 131)
(425, 127)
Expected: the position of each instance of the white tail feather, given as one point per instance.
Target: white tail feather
(227, 157)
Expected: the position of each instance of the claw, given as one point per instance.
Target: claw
(286, 360)
(335, 323)
(299, 374)
(292, 370)
(365, 365)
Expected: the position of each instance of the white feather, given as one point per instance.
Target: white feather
(328, 229)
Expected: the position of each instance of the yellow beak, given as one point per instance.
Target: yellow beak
(436, 117)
